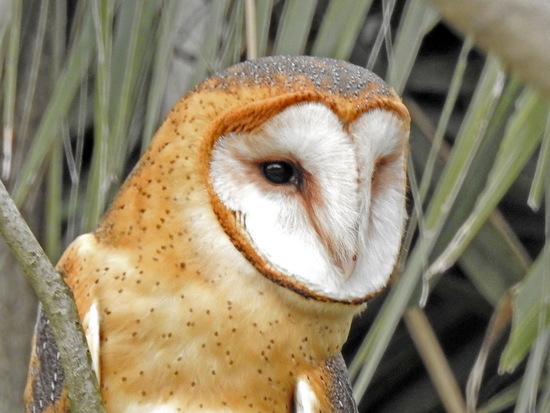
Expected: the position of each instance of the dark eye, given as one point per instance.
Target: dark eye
(278, 172)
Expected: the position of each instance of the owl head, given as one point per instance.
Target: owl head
(302, 162)
(307, 174)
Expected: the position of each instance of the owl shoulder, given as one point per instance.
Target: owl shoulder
(327, 388)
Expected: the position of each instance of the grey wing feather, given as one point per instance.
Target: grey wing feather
(45, 383)
(339, 391)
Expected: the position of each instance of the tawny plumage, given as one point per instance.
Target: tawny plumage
(225, 275)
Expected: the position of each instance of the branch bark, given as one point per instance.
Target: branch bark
(58, 303)
(518, 31)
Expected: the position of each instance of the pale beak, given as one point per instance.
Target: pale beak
(348, 266)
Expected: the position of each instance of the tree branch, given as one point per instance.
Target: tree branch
(518, 31)
(58, 304)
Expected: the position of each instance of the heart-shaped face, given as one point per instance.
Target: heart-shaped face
(310, 184)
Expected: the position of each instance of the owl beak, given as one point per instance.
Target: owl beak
(348, 266)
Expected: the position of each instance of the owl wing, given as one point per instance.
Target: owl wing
(45, 390)
(328, 389)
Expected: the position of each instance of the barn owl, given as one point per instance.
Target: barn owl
(267, 210)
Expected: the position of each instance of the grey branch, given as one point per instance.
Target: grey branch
(58, 303)
(518, 31)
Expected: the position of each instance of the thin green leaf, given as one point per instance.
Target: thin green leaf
(125, 65)
(384, 35)
(495, 260)
(209, 50)
(502, 401)
(542, 172)
(74, 162)
(5, 18)
(376, 342)
(36, 66)
(522, 137)
(10, 93)
(263, 19)
(417, 20)
(545, 394)
(448, 106)
(98, 185)
(54, 194)
(160, 66)
(467, 142)
(340, 28)
(251, 30)
(294, 27)
(498, 324)
(434, 359)
(531, 312)
(471, 137)
(54, 199)
(530, 384)
(233, 42)
(66, 87)
(481, 164)
(131, 58)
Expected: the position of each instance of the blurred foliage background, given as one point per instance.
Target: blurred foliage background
(84, 85)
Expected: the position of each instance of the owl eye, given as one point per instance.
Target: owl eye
(279, 172)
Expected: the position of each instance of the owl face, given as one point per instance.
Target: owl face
(314, 197)
(322, 203)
